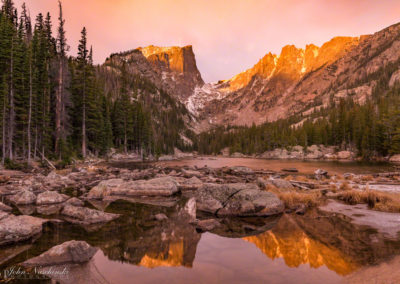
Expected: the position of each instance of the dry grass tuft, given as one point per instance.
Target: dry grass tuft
(367, 178)
(345, 186)
(271, 187)
(289, 177)
(292, 198)
(379, 201)
(301, 178)
(333, 188)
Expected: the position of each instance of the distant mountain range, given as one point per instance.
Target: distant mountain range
(298, 81)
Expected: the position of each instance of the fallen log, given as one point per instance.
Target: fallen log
(302, 184)
(389, 174)
(49, 164)
(290, 170)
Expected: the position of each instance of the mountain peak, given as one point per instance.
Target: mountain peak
(173, 68)
(174, 58)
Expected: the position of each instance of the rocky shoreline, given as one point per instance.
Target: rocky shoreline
(81, 195)
(313, 152)
(300, 153)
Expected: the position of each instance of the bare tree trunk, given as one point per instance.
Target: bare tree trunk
(125, 138)
(36, 142)
(58, 105)
(30, 111)
(4, 130)
(84, 117)
(12, 110)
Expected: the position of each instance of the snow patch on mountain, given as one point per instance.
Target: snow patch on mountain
(201, 95)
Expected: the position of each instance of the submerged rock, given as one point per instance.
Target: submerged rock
(160, 217)
(50, 197)
(86, 216)
(207, 225)
(19, 228)
(237, 199)
(23, 197)
(72, 252)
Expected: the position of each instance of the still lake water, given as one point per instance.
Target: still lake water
(306, 167)
(318, 247)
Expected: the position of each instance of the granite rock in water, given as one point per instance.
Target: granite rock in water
(237, 199)
(86, 216)
(162, 186)
(50, 197)
(19, 228)
(71, 252)
(23, 197)
(207, 225)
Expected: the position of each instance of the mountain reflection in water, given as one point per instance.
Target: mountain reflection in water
(288, 241)
(315, 247)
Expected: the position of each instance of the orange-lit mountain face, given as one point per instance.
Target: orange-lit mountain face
(298, 81)
(173, 68)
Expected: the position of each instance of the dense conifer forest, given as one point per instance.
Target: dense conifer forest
(58, 106)
(371, 129)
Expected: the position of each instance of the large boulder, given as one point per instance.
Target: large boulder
(280, 183)
(3, 215)
(162, 186)
(320, 173)
(75, 202)
(297, 148)
(86, 216)
(49, 209)
(276, 154)
(4, 207)
(313, 152)
(23, 197)
(50, 197)
(188, 184)
(345, 155)
(191, 173)
(238, 155)
(240, 170)
(71, 252)
(104, 188)
(237, 199)
(19, 228)
(395, 159)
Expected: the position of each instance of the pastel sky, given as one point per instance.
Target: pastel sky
(228, 36)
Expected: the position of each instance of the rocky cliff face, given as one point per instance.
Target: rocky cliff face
(173, 69)
(298, 81)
